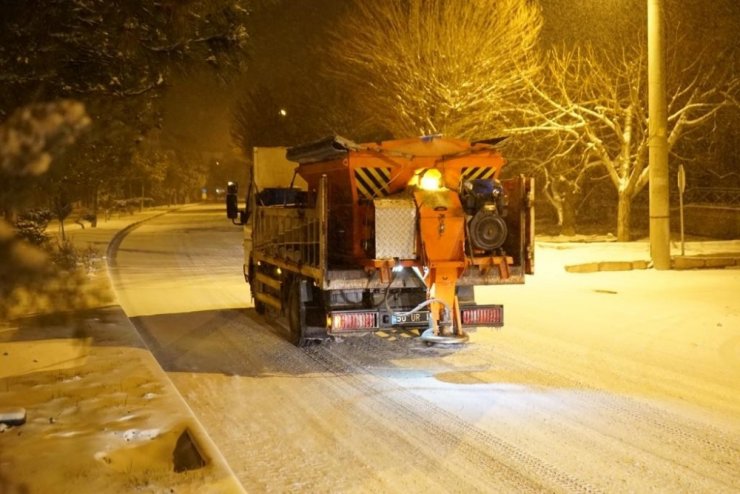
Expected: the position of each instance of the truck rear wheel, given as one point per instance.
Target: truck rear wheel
(296, 315)
(259, 307)
(254, 287)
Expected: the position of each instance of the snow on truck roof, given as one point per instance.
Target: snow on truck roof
(428, 146)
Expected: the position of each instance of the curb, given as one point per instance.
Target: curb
(592, 267)
(704, 262)
(199, 434)
(204, 450)
(679, 263)
(115, 242)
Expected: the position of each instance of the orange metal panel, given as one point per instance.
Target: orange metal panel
(373, 170)
(442, 232)
(441, 225)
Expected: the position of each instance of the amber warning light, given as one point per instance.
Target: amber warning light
(427, 179)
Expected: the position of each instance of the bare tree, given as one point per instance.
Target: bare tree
(594, 107)
(561, 172)
(430, 66)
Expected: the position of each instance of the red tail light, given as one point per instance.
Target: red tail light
(348, 321)
(491, 315)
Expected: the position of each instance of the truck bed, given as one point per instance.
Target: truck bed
(292, 238)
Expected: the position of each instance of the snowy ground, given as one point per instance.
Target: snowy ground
(599, 382)
(101, 414)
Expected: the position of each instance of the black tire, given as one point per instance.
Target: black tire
(254, 287)
(296, 316)
(259, 307)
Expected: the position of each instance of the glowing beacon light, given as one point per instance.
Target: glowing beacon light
(430, 179)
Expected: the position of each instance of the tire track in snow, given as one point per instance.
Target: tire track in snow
(526, 473)
(639, 411)
(280, 358)
(685, 434)
(675, 439)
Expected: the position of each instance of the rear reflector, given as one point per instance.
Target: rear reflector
(348, 321)
(491, 315)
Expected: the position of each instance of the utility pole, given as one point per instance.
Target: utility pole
(660, 230)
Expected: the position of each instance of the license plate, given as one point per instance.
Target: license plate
(417, 318)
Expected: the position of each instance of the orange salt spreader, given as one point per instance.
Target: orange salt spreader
(389, 234)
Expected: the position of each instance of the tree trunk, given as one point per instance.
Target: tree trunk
(624, 217)
(568, 226)
(94, 221)
(10, 214)
(558, 207)
(563, 201)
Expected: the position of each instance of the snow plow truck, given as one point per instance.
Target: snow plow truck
(343, 237)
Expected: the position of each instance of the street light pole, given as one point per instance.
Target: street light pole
(660, 231)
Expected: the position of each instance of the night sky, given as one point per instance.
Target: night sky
(288, 38)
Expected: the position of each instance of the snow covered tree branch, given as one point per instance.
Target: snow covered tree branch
(428, 66)
(592, 107)
(32, 134)
(117, 58)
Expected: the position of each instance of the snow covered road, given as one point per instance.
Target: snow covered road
(599, 382)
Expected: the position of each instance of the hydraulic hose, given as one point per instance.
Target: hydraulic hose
(418, 307)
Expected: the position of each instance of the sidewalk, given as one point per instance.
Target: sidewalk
(100, 236)
(588, 257)
(102, 415)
